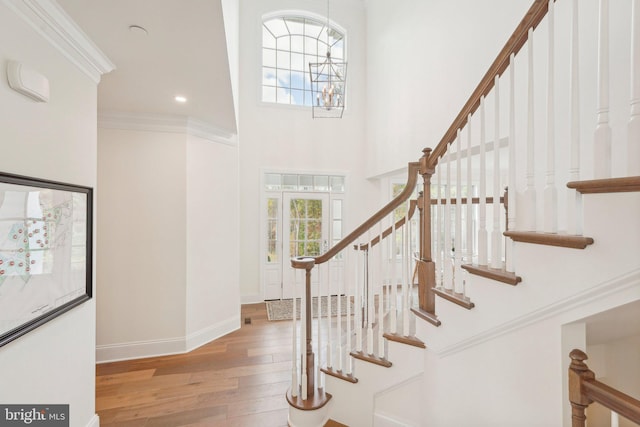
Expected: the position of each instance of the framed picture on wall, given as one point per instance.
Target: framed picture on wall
(45, 251)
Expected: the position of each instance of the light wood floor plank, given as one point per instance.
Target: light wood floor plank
(239, 380)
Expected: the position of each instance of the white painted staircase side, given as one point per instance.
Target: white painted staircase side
(353, 404)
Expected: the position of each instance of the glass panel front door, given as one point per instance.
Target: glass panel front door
(306, 218)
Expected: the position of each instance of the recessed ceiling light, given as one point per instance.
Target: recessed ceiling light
(137, 29)
(180, 99)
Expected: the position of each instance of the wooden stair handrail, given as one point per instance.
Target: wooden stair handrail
(532, 18)
(584, 389)
(389, 230)
(412, 180)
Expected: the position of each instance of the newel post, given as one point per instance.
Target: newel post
(578, 373)
(426, 266)
(307, 264)
(308, 407)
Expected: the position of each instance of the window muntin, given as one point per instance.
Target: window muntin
(289, 44)
(304, 182)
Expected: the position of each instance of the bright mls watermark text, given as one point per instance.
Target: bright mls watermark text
(34, 415)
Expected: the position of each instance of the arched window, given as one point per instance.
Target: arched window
(289, 43)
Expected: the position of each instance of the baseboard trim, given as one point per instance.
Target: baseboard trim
(386, 420)
(153, 348)
(210, 333)
(95, 421)
(251, 299)
(139, 349)
(601, 291)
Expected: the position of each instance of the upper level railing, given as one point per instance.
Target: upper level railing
(533, 17)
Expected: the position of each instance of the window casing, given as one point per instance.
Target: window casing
(289, 44)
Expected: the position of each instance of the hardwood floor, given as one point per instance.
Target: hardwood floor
(239, 380)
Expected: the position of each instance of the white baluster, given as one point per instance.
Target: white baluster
(358, 297)
(403, 270)
(529, 212)
(633, 142)
(316, 366)
(448, 273)
(482, 191)
(602, 137)
(387, 270)
(496, 232)
(439, 249)
(348, 292)
(369, 283)
(615, 419)
(550, 191)
(574, 199)
(469, 222)
(458, 232)
(303, 340)
(512, 192)
(394, 277)
(413, 269)
(406, 256)
(339, 348)
(294, 341)
(380, 259)
(329, 357)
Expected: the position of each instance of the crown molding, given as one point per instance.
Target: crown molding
(166, 123)
(49, 20)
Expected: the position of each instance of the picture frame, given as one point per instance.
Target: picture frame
(46, 251)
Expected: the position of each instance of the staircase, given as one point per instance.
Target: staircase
(471, 287)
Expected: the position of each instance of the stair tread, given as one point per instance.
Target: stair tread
(340, 374)
(454, 297)
(410, 340)
(550, 239)
(371, 358)
(609, 185)
(499, 274)
(333, 423)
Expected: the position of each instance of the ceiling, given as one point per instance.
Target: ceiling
(183, 52)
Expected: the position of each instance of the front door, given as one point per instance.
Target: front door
(306, 228)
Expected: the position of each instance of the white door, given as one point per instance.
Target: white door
(305, 220)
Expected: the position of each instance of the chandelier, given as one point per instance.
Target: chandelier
(328, 84)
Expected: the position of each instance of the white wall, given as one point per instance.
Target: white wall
(212, 252)
(141, 257)
(615, 363)
(55, 363)
(424, 59)
(168, 260)
(515, 377)
(231, 17)
(286, 138)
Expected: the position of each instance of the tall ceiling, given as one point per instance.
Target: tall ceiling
(183, 52)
